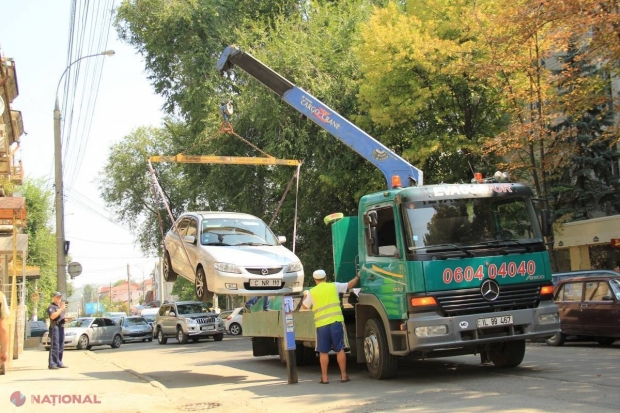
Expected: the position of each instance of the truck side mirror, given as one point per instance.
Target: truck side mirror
(546, 222)
(371, 218)
(373, 241)
(281, 239)
(190, 239)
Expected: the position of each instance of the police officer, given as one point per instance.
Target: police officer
(56, 312)
(329, 321)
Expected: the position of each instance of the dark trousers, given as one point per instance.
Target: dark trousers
(57, 345)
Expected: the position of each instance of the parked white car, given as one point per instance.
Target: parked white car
(234, 321)
(230, 253)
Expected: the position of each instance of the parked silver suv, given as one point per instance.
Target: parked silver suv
(187, 319)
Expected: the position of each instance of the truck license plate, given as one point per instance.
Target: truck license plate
(207, 328)
(265, 283)
(495, 321)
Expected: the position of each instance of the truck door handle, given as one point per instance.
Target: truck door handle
(584, 305)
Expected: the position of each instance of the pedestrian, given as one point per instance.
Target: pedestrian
(248, 305)
(4, 331)
(56, 312)
(617, 269)
(324, 301)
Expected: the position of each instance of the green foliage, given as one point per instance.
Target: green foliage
(184, 290)
(583, 181)
(41, 245)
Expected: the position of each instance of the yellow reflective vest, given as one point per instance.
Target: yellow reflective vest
(326, 304)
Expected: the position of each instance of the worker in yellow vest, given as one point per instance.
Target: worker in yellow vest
(328, 320)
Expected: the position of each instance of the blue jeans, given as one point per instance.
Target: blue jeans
(57, 345)
(255, 299)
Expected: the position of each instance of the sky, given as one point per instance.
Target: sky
(35, 33)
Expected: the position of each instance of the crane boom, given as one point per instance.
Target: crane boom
(387, 161)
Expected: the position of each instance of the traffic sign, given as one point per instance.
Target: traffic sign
(74, 269)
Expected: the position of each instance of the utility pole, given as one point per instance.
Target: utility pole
(128, 291)
(59, 202)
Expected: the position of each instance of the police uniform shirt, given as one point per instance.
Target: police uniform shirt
(4, 308)
(60, 320)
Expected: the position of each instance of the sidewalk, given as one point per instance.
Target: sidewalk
(89, 384)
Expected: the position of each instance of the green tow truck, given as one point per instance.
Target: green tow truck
(445, 270)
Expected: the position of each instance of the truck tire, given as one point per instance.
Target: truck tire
(381, 364)
(169, 274)
(557, 340)
(508, 354)
(605, 341)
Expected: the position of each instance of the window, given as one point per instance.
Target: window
(596, 290)
(109, 323)
(182, 224)
(385, 233)
(192, 228)
(570, 292)
(99, 322)
(164, 310)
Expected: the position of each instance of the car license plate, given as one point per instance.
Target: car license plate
(265, 283)
(505, 320)
(207, 328)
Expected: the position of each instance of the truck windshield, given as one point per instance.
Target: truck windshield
(458, 223)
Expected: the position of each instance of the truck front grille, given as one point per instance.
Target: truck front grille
(470, 301)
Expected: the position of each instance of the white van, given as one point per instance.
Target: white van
(149, 314)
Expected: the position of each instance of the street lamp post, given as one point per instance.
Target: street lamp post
(61, 250)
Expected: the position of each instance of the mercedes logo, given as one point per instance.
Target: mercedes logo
(489, 290)
(264, 271)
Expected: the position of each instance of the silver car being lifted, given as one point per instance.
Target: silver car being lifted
(187, 319)
(230, 253)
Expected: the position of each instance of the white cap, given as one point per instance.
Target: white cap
(319, 274)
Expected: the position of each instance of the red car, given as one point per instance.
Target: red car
(589, 308)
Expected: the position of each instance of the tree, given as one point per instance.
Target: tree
(421, 88)
(587, 181)
(41, 245)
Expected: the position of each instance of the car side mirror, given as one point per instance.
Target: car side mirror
(190, 239)
(172, 314)
(281, 239)
(608, 298)
(94, 325)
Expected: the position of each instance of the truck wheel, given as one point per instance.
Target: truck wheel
(381, 364)
(508, 354)
(182, 338)
(218, 337)
(169, 274)
(200, 285)
(557, 340)
(160, 337)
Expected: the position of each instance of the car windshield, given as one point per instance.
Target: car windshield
(458, 223)
(192, 308)
(149, 318)
(234, 231)
(134, 322)
(80, 322)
